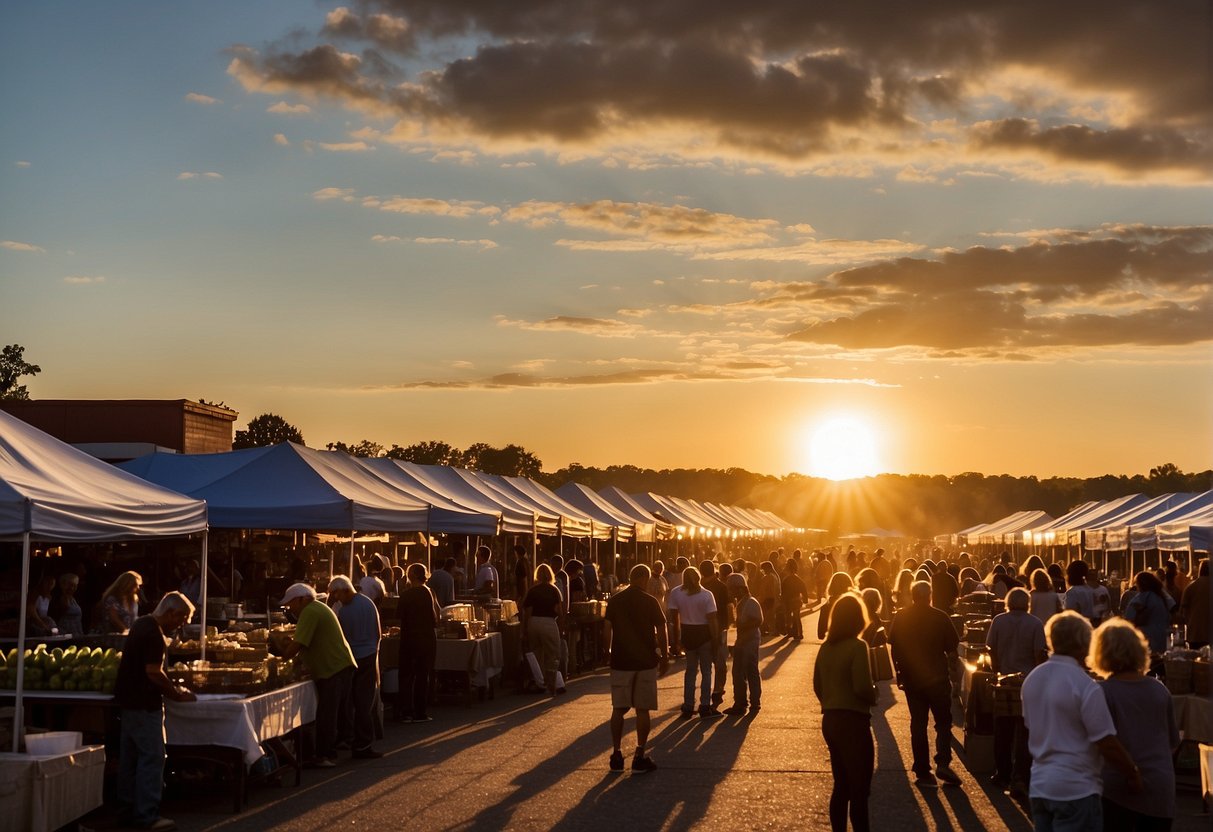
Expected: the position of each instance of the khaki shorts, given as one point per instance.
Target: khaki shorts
(634, 689)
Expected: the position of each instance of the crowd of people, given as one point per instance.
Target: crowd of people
(1083, 754)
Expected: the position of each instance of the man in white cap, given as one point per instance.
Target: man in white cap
(359, 618)
(328, 657)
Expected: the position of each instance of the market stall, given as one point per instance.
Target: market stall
(50, 491)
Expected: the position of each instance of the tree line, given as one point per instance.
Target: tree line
(916, 505)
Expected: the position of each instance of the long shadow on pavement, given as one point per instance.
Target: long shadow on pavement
(649, 801)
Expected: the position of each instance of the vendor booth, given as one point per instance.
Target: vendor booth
(52, 492)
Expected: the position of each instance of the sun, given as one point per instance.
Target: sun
(842, 448)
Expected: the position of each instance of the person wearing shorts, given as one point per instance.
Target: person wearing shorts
(635, 639)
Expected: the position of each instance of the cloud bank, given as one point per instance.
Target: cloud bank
(1105, 90)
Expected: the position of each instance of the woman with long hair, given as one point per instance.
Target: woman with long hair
(120, 603)
(1150, 611)
(840, 582)
(1045, 602)
(842, 681)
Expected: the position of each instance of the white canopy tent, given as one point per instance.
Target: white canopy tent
(49, 491)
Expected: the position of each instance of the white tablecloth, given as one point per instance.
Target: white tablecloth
(240, 723)
(480, 658)
(39, 794)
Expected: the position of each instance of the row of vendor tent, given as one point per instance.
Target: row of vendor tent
(52, 492)
(289, 486)
(1135, 522)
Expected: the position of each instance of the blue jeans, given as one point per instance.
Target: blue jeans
(745, 671)
(1082, 815)
(141, 765)
(699, 660)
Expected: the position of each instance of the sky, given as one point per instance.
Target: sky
(975, 235)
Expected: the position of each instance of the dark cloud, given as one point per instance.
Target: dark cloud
(1142, 287)
(786, 78)
(1131, 149)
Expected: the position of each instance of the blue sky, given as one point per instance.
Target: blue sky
(648, 233)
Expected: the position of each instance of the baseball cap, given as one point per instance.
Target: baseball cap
(296, 591)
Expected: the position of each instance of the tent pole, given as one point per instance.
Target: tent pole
(202, 589)
(351, 572)
(429, 556)
(18, 715)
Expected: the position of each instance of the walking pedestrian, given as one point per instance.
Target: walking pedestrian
(843, 684)
(1140, 706)
(747, 683)
(541, 616)
(634, 636)
(714, 580)
(1069, 728)
(924, 644)
(693, 609)
(794, 593)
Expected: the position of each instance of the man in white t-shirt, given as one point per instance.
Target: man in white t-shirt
(694, 608)
(486, 574)
(1070, 732)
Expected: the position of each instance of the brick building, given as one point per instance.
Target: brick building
(121, 429)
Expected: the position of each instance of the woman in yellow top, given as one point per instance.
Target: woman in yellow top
(842, 680)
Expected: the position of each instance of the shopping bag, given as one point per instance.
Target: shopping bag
(536, 671)
(882, 663)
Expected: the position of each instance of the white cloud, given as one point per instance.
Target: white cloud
(84, 279)
(13, 245)
(187, 174)
(22, 163)
(338, 147)
(199, 98)
(283, 109)
(343, 194)
(281, 139)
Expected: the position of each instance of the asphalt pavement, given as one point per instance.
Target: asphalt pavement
(528, 762)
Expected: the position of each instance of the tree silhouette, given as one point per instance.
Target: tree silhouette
(428, 453)
(510, 461)
(365, 449)
(12, 367)
(267, 429)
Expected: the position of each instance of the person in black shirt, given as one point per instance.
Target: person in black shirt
(635, 638)
(924, 642)
(418, 646)
(542, 613)
(139, 693)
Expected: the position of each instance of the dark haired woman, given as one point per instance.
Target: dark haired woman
(842, 681)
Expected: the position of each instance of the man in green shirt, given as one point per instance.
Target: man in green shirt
(328, 657)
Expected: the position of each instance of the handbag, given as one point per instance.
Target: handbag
(881, 662)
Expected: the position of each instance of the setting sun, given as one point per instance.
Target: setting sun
(842, 448)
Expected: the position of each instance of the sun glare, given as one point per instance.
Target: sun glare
(842, 448)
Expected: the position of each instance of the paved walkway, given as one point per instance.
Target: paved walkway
(530, 763)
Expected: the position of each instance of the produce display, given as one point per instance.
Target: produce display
(70, 668)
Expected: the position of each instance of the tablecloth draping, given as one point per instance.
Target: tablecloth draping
(1194, 717)
(480, 658)
(240, 723)
(41, 793)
